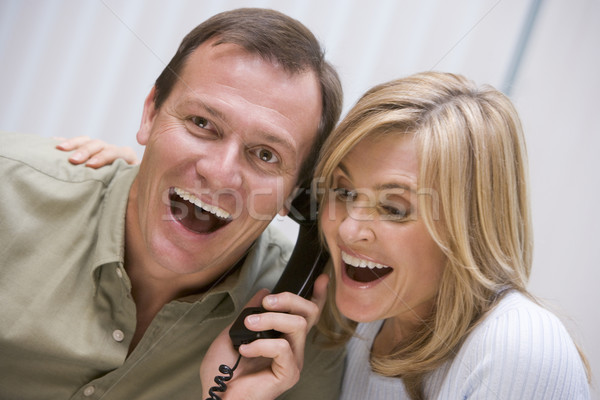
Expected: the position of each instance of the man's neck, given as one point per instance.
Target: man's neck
(153, 286)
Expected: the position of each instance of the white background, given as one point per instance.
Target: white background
(75, 67)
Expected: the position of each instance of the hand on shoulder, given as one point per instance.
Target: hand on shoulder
(95, 153)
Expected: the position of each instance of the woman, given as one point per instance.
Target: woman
(425, 212)
(424, 208)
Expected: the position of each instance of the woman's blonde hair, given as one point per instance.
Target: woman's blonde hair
(473, 198)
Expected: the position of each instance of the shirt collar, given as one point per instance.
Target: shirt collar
(258, 270)
(110, 243)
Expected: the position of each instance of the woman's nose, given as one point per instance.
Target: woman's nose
(357, 224)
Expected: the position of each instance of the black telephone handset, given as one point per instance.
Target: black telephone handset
(306, 263)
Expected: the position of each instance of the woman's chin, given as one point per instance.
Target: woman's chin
(353, 309)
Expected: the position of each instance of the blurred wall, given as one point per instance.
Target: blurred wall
(84, 67)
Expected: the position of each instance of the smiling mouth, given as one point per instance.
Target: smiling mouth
(362, 270)
(196, 215)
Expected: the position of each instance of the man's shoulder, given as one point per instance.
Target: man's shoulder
(38, 156)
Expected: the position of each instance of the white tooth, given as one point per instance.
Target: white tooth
(196, 201)
(359, 263)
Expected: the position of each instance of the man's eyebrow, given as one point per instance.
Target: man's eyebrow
(211, 110)
(281, 141)
(272, 138)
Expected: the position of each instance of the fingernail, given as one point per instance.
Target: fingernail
(252, 319)
(76, 157)
(271, 300)
(93, 160)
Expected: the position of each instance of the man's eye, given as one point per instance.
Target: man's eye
(200, 122)
(266, 155)
(344, 194)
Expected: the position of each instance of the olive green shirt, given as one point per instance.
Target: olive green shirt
(66, 311)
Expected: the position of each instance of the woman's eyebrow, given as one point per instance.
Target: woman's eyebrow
(344, 169)
(394, 185)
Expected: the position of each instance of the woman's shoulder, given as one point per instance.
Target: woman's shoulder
(517, 319)
(520, 348)
(518, 329)
(515, 308)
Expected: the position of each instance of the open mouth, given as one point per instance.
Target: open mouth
(362, 270)
(196, 215)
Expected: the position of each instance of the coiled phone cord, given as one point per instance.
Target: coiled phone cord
(221, 379)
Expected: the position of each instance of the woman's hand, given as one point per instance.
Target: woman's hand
(95, 153)
(269, 367)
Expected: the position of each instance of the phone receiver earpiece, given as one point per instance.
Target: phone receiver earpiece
(306, 263)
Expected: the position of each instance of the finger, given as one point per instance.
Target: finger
(294, 327)
(282, 322)
(86, 150)
(293, 304)
(109, 154)
(285, 364)
(128, 154)
(72, 143)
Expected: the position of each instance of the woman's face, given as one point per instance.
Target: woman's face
(386, 263)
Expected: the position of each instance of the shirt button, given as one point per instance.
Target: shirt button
(88, 391)
(119, 272)
(118, 335)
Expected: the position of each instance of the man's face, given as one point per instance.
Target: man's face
(222, 154)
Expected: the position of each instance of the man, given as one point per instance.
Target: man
(115, 281)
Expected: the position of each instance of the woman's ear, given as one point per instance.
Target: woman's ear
(148, 116)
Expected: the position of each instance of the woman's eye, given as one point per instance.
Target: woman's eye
(344, 194)
(395, 212)
(200, 122)
(266, 155)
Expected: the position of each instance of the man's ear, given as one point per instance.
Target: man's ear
(148, 116)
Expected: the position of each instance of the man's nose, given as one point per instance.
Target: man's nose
(221, 166)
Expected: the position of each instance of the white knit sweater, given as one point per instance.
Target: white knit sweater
(519, 351)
